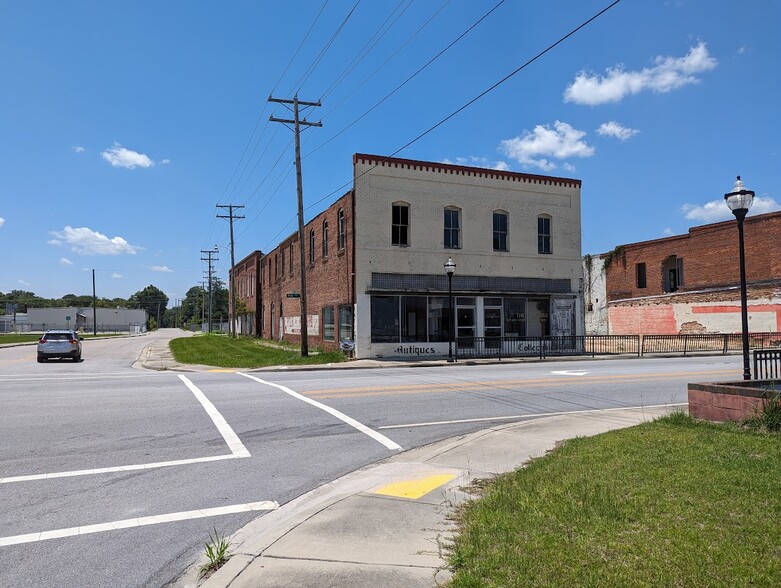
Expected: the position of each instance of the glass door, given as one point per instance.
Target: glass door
(465, 321)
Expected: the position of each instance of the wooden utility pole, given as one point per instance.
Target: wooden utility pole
(302, 251)
(210, 253)
(232, 282)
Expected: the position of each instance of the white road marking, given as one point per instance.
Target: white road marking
(527, 416)
(115, 469)
(138, 522)
(231, 438)
(570, 373)
(332, 411)
(234, 444)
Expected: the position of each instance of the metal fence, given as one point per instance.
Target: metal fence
(488, 347)
(767, 364)
(593, 345)
(713, 342)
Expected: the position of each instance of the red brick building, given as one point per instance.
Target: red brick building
(690, 283)
(329, 253)
(247, 293)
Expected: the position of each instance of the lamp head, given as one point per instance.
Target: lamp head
(739, 199)
(450, 266)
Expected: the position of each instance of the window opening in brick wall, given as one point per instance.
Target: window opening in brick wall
(543, 234)
(672, 273)
(400, 224)
(291, 258)
(328, 323)
(500, 231)
(340, 230)
(325, 239)
(312, 246)
(452, 228)
(345, 322)
(640, 275)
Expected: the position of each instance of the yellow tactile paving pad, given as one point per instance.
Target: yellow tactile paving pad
(414, 488)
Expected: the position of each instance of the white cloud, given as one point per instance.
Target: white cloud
(668, 73)
(116, 276)
(85, 241)
(2, 221)
(568, 167)
(25, 284)
(79, 149)
(667, 232)
(533, 148)
(65, 261)
(165, 162)
(119, 156)
(161, 268)
(717, 210)
(473, 161)
(614, 129)
(742, 49)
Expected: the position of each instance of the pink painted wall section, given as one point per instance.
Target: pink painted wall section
(648, 320)
(717, 402)
(753, 309)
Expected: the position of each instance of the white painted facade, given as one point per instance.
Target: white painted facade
(549, 283)
(108, 319)
(595, 295)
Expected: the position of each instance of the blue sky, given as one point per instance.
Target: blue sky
(123, 125)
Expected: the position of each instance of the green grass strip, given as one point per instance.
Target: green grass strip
(670, 503)
(243, 352)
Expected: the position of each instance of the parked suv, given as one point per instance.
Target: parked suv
(59, 343)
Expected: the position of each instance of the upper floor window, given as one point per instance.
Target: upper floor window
(291, 258)
(311, 246)
(672, 272)
(400, 224)
(543, 234)
(640, 275)
(283, 263)
(325, 239)
(340, 230)
(452, 228)
(500, 231)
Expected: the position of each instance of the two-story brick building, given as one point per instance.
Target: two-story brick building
(688, 283)
(245, 276)
(375, 260)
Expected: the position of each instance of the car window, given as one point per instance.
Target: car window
(57, 337)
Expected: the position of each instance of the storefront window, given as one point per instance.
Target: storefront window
(385, 319)
(328, 323)
(514, 317)
(345, 322)
(438, 319)
(413, 318)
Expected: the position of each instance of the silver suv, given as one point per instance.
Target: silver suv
(59, 343)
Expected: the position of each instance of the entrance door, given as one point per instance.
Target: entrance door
(492, 321)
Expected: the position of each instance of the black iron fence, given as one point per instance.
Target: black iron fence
(593, 345)
(767, 364)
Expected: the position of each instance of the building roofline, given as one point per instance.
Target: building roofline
(380, 160)
(698, 229)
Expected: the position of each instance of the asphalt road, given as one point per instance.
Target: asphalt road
(147, 463)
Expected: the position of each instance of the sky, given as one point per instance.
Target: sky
(123, 125)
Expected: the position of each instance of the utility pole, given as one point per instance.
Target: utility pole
(203, 304)
(210, 257)
(94, 307)
(300, 185)
(230, 216)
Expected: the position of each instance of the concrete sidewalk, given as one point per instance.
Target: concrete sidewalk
(388, 525)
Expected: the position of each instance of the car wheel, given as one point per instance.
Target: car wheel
(41, 359)
(77, 358)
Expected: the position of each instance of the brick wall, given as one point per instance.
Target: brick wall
(329, 278)
(245, 279)
(710, 258)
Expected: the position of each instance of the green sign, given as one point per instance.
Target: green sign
(293, 295)
(67, 318)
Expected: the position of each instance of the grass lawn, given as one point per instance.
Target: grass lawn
(675, 502)
(243, 352)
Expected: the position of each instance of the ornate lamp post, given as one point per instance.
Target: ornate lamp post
(739, 201)
(450, 267)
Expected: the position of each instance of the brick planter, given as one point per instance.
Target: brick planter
(729, 401)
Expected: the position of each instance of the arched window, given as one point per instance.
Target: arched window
(452, 228)
(311, 246)
(340, 230)
(400, 224)
(544, 234)
(500, 230)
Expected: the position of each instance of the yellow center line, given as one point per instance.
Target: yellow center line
(497, 384)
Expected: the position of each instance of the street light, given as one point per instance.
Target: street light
(450, 267)
(739, 201)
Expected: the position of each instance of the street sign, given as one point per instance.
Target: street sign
(67, 318)
(292, 295)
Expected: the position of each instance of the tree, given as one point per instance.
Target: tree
(153, 300)
(193, 305)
